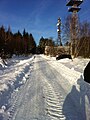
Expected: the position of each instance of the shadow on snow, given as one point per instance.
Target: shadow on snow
(74, 107)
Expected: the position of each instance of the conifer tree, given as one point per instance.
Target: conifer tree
(32, 45)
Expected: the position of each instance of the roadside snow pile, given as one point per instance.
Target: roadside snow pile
(12, 76)
(71, 70)
(15, 71)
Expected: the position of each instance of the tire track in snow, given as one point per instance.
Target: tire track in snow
(28, 103)
(17, 97)
(60, 84)
(17, 102)
(54, 102)
(53, 97)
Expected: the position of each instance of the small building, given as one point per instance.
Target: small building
(54, 51)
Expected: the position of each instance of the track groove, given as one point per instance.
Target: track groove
(53, 102)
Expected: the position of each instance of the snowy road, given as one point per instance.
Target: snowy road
(46, 95)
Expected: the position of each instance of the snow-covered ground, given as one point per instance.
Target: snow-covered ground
(13, 74)
(71, 69)
(77, 88)
(17, 70)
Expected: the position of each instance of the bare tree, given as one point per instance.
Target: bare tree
(66, 29)
(84, 42)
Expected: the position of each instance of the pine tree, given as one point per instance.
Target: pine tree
(32, 45)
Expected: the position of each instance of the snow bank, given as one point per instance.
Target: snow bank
(12, 76)
(16, 70)
(71, 70)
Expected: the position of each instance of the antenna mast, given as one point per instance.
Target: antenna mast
(59, 43)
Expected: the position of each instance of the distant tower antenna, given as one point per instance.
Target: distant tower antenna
(59, 43)
(74, 23)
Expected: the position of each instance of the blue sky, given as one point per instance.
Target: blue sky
(38, 17)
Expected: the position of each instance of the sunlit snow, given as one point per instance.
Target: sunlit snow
(16, 70)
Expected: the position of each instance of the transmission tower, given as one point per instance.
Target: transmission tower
(59, 43)
(74, 26)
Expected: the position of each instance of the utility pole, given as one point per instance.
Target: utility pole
(74, 27)
(59, 43)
